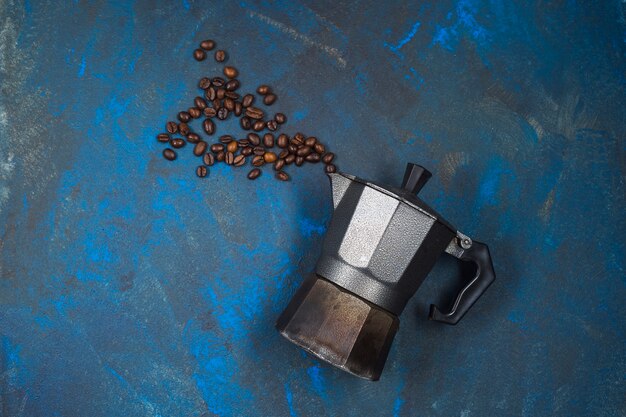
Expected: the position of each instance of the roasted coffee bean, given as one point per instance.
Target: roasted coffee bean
(184, 117)
(290, 159)
(254, 113)
(229, 104)
(243, 142)
(217, 104)
(239, 160)
(280, 118)
(313, 157)
(210, 93)
(220, 93)
(268, 140)
(258, 126)
(202, 171)
(200, 103)
(204, 83)
(263, 89)
(199, 54)
(283, 140)
(171, 127)
(247, 100)
(163, 137)
(208, 126)
(258, 161)
(208, 159)
(209, 112)
(319, 148)
(238, 109)
(232, 85)
(310, 141)
(283, 154)
(245, 123)
(200, 148)
(258, 150)
(297, 141)
(222, 113)
(269, 99)
(195, 112)
(292, 148)
(231, 72)
(330, 168)
(220, 56)
(232, 146)
(220, 156)
(282, 175)
(225, 139)
(246, 151)
(177, 143)
(169, 154)
(328, 158)
(270, 157)
(207, 45)
(299, 160)
(193, 138)
(278, 165)
(254, 139)
(254, 174)
(303, 151)
(271, 125)
(217, 147)
(183, 128)
(218, 82)
(232, 95)
(229, 158)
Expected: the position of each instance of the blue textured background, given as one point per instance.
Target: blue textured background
(130, 287)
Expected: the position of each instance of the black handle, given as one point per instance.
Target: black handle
(485, 275)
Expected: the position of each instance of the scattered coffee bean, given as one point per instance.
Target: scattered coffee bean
(208, 159)
(319, 148)
(210, 93)
(220, 56)
(220, 156)
(169, 154)
(199, 55)
(183, 116)
(183, 128)
(171, 127)
(290, 159)
(231, 72)
(226, 139)
(254, 174)
(263, 89)
(254, 113)
(194, 112)
(310, 141)
(269, 99)
(199, 148)
(193, 138)
(229, 104)
(207, 45)
(313, 157)
(282, 175)
(270, 157)
(280, 118)
(292, 148)
(243, 142)
(246, 151)
(209, 112)
(278, 165)
(283, 154)
(268, 140)
(245, 123)
(217, 103)
(202, 171)
(222, 113)
(204, 83)
(330, 168)
(298, 139)
(163, 137)
(258, 126)
(177, 143)
(258, 161)
(303, 151)
(258, 150)
(238, 108)
(200, 103)
(299, 160)
(229, 158)
(220, 93)
(231, 94)
(208, 126)
(232, 146)
(328, 158)
(247, 100)
(283, 140)
(218, 82)
(254, 139)
(217, 147)
(231, 85)
(239, 160)
(271, 125)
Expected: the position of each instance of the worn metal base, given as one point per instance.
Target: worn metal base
(339, 327)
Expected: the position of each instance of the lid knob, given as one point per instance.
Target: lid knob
(415, 177)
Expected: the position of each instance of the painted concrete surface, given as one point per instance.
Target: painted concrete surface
(130, 287)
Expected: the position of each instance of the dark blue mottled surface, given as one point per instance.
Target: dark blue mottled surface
(129, 287)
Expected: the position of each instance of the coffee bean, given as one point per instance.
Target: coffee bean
(199, 148)
(268, 140)
(199, 54)
(311, 141)
(238, 108)
(208, 159)
(229, 158)
(195, 112)
(280, 118)
(292, 148)
(177, 143)
(171, 127)
(220, 156)
(220, 56)
(200, 103)
(209, 112)
(243, 142)
(231, 94)
(231, 72)
(217, 147)
(222, 113)
(269, 99)
(220, 93)
(283, 140)
(254, 139)
(270, 157)
(258, 161)
(204, 83)
(283, 154)
(232, 146)
(183, 116)
(254, 174)
(263, 89)
(239, 160)
(245, 123)
(202, 171)
(246, 151)
(278, 165)
(208, 126)
(183, 128)
(313, 157)
(210, 93)
(232, 85)
(290, 159)
(328, 158)
(163, 137)
(303, 151)
(282, 175)
(218, 82)
(169, 154)
(330, 168)
(193, 138)
(229, 104)
(298, 139)
(319, 148)
(271, 125)
(258, 126)
(247, 100)
(299, 160)
(217, 103)
(258, 150)
(225, 139)
(207, 45)
(254, 113)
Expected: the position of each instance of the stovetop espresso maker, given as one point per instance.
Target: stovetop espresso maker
(380, 245)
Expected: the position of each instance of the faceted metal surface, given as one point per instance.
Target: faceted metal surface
(339, 327)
